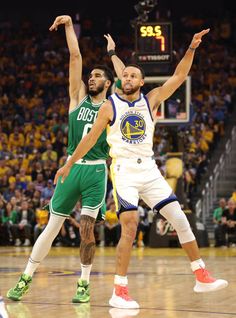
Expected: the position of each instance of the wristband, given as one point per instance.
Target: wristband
(191, 48)
(111, 52)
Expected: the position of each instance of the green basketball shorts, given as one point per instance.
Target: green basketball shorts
(85, 183)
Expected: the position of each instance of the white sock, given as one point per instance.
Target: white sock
(121, 280)
(197, 264)
(31, 267)
(44, 243)
(85, 272)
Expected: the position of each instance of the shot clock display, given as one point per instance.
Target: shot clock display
(154, 42)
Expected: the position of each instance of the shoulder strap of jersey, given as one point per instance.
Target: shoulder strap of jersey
(82, 101)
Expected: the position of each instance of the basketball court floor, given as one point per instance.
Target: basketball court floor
(159, 279)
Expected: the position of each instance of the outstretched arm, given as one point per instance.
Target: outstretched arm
(105, 115)
(75, 67)
(159, 94)
(116, 61)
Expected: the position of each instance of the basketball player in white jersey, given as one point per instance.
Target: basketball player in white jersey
(130, 128)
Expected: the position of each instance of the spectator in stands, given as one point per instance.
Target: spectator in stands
(15, 204)
(69, 234)
(233, 196)
(4, 184)
(49, 154)
(42, 216)
(217, 217)
(29, 192)
(16, 139)
(47, 192)
(112, 226)
(5, 153)
(36, 169)
(3, 167)
(22, 230)
(35, 201)
(229, 223)
(59, 143)
(39, 182)
(4, 234)
(10, 192)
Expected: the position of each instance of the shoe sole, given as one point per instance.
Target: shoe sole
(117, 312)
(113, 303)
(80, 301)
(202, 288)
(14, 298)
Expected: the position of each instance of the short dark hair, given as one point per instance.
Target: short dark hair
(139, 67)
(108, 74)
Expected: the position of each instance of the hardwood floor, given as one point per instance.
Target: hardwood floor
(159, 279)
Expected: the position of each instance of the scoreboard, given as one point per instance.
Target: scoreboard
(153, 42)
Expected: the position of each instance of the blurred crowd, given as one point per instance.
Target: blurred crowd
(33, 122)
(224, 219)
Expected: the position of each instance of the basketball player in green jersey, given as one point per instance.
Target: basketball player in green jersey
(88, 178)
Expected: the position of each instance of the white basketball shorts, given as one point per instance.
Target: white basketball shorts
(139, 178)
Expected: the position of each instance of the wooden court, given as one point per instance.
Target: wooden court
(159, 279)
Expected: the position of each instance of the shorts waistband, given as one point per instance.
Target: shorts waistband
(133, 160)
(89, 162)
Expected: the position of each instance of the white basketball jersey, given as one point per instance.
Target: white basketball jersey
(130, 134)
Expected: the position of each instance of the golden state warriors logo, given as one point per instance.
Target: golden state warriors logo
(133, 128)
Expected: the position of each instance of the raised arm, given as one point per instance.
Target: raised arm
(159, 94)
(116, 61)
(76, 85)
(105, 115)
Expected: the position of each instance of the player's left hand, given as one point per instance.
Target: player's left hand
(63, 172)
(197, 38)
(110, 42)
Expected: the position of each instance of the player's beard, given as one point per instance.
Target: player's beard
(131, 90)
(98, 90)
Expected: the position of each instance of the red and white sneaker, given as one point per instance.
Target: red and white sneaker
(121, 299)
(206, 283)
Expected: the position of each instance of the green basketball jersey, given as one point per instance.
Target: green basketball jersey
(81, 120)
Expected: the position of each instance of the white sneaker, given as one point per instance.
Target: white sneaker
(123, 313)
(18, 242)
(27, 242)
(206, 283)
(3, 312)
(121, 299)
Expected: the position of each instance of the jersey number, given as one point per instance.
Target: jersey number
(86, 130)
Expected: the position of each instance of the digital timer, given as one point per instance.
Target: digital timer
(154, 42)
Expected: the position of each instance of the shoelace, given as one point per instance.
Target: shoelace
(207, 275)
(122, 291)
(81, 289)
(20, 285)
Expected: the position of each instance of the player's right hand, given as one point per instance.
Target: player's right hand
(110, 42)
(61, 19)
(63, 172)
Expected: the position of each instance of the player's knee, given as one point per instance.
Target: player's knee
(129, 229)
(179, 221)
(183, 229)
(86, 236)
(87, 228)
